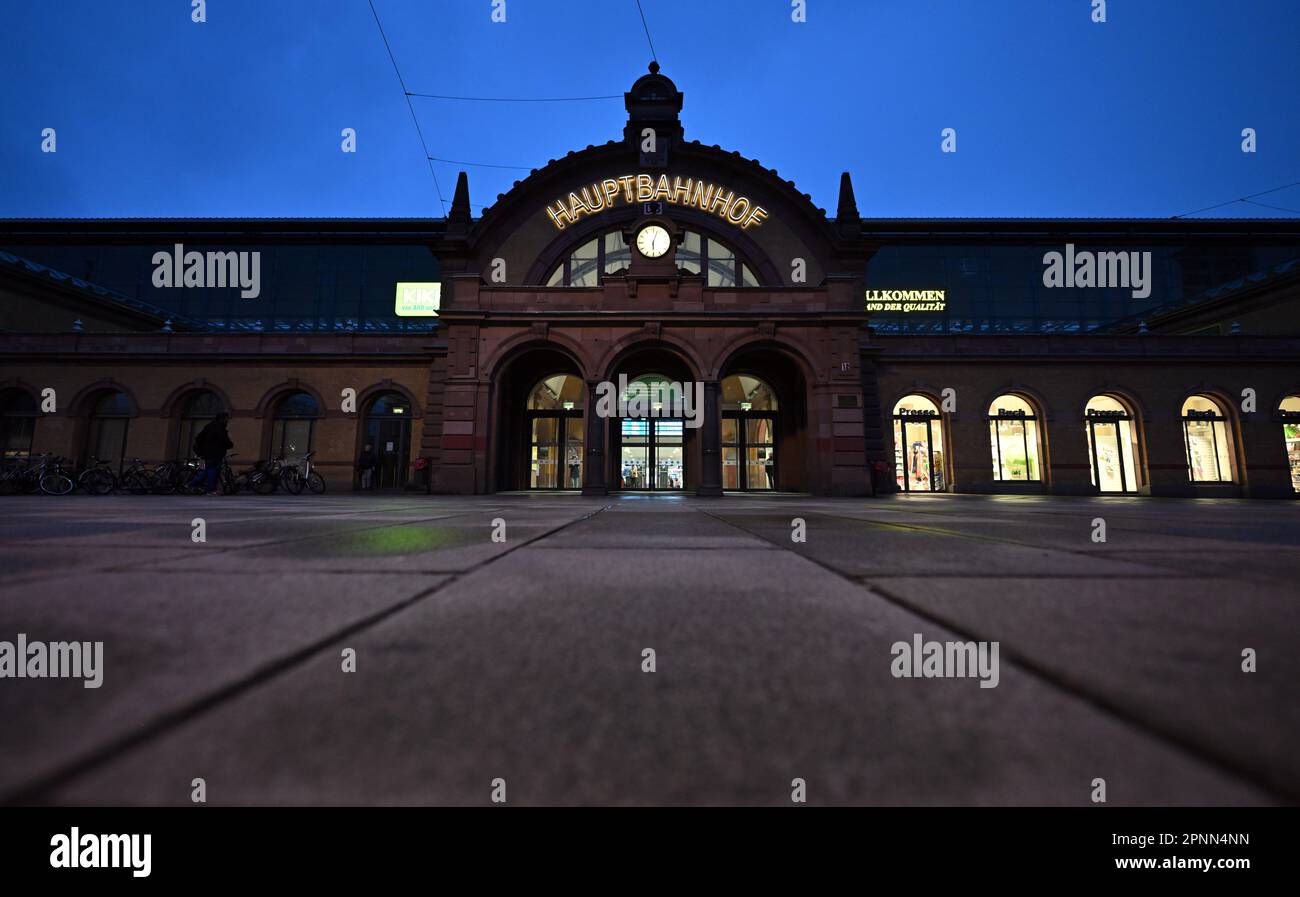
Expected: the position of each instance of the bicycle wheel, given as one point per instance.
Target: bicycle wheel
(291, 480)
(96, 481)
(262, 482)
(316, 483)
(56, 484)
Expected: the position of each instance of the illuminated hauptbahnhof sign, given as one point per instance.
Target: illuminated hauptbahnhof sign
(906, 300)
(631, 188)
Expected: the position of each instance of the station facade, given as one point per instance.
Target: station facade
(831, 354)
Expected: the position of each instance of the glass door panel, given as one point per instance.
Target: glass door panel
(544, 460)
(916, 437)
(573, 441)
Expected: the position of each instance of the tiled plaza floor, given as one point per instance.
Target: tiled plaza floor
(522, 659)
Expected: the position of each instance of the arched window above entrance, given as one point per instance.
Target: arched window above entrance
(561, 392)
(608, 253)
(390, 404)
(744, 393)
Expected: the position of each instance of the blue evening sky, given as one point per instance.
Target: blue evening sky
(1055, 115)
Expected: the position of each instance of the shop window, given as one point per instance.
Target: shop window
(1112, 444)
(1205, 438)
(1289, 412)
(293, 430)
(18, 413)
(1013, 435)
(918, 445)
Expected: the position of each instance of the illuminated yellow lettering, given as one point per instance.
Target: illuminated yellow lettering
(681, 190)
(725, 200)
(665, 189)
(626, 182)
(700, 199)
(576, 205)
(610, 187)
(557, 211)
(645, 188)
(738, 211)
(595, 203)
(756, 216)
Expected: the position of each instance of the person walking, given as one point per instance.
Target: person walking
(366, 465)
(211, 445)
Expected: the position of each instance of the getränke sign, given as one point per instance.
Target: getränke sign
(633, 188)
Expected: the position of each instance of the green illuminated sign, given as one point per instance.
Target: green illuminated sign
(418, 300)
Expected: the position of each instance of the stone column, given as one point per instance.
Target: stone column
(594, 431)
(710, 434)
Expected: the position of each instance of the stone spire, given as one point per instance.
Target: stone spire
(458, 220)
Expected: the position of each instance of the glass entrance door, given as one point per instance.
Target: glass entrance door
(652, 454)
(555, 450)
(917, 459)
(749, 451)
(1111, 456)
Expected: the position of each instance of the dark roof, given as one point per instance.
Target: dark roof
(36, 271)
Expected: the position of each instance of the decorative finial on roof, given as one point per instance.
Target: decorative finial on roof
(459, 219)
(654, 67)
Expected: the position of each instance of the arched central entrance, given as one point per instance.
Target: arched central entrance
(749, 427)
(652, 448)
(764, 407)
(555, 433)
(540, 398)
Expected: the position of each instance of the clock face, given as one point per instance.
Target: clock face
(652, 241)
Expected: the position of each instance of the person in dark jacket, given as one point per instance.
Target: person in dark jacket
(211, 445)
(366, 465)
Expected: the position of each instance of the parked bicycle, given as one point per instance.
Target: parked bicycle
(98, 478)
(50, 475)
(294, 477)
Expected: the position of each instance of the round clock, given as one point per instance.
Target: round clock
(652, 241)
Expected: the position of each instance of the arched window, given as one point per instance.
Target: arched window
(609, 254)
(918, 445)
(652, 448)
(555, 427)
(18, 415)
(749, 426)
(1206, 439)
(201, 406)
(1289, 412)
(110, 418)
(1112, 444)
(1013, 433)
(388, 433)
(294, 427)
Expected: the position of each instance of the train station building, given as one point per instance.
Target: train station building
(835, 354)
